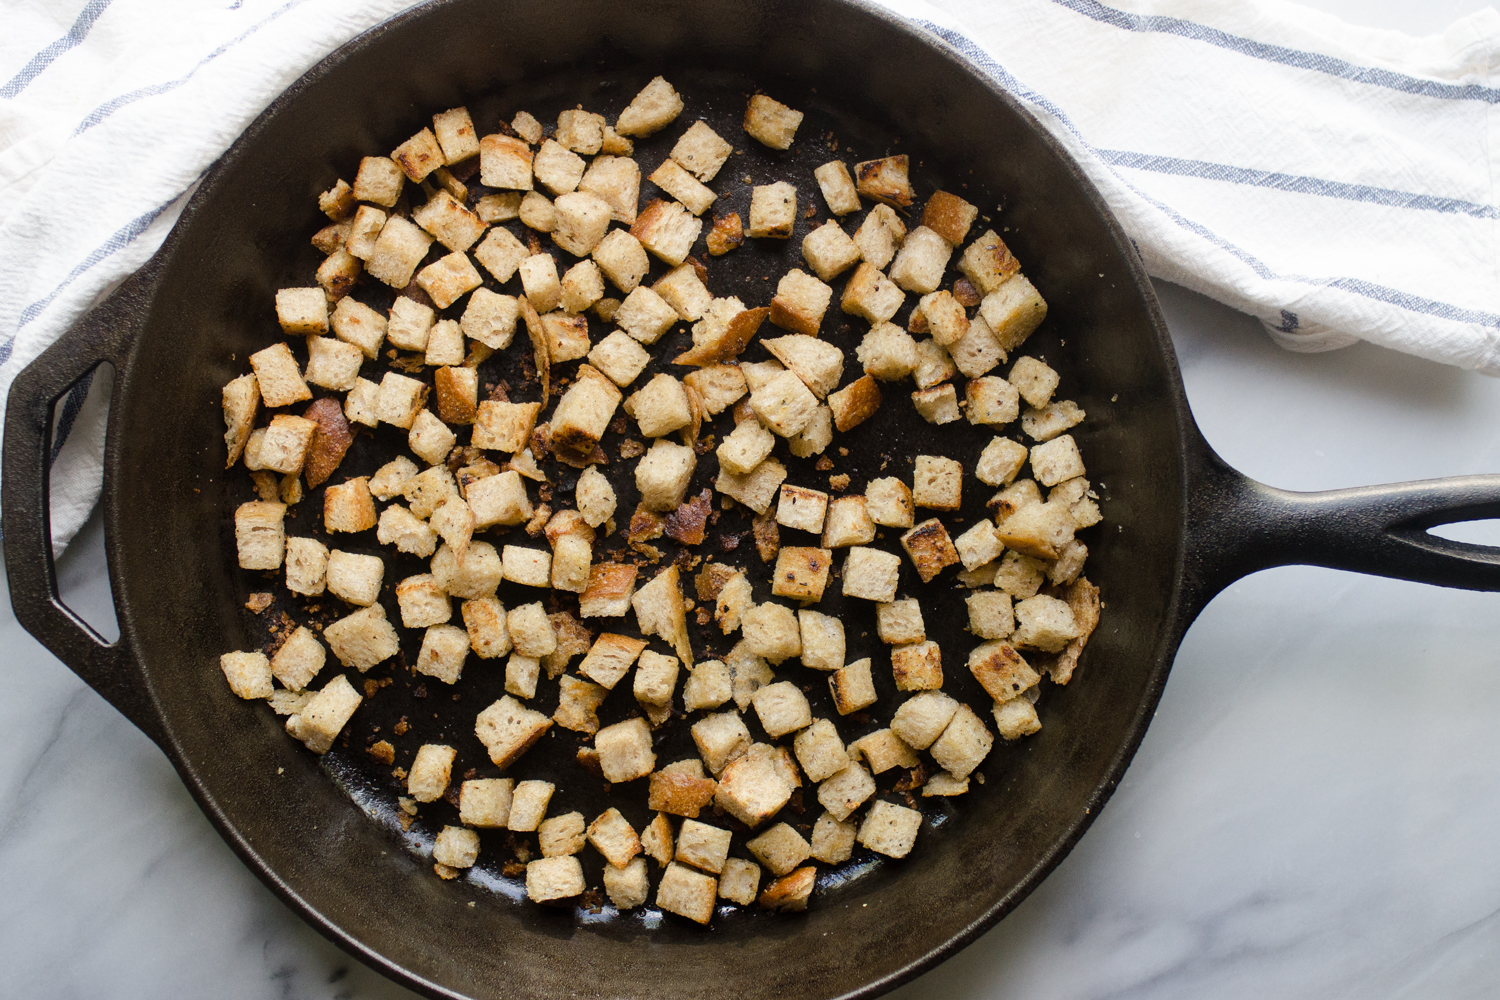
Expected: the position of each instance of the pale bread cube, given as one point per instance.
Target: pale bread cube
(278, 376)
(306, 565)
(284, 445)
(409, 322)
(949, 216)
(456, 848)
(703, 846)
(945, 784)
(581, 131)
(945, 317)
(990, 615)
(782, 708)
(625, 751)
(829, 251)
(422, 601)
(682, 185)
(490, 318)
(988, 262)
(444, 648)
(1035, 381)
(582, 220)
(362, 405)
(1051, 420)
(1000, 461)
(801, 508)
(889, 502)
(820, 751)
(400, 400)
(540, 282)
(572, 558)
(917, 667)
(429, 438)
(687, 893)
(248, 674)
(721, 739)
(977, 351)
(476, 575)
(426, 491)
(354, 578)
(822, 640)
(616, 180)
(595, 497)
(1016, 718)
(650, 111)
(708, 686)
(964, 744)
(449, 222)
(771, 122)
(323, 716)
(993, 401)
(610, 590)
(397, 252)
(681, 289)
(419, 156)
(1069, 563)
(784, 404)
(771, 631)
(582, 286)
(745, 447)
(799, 305)
(884, 180)
(561, 836)
(871, 294)
(871, 574)
(754, 787)
(623, 259)
(525, 125)
(526, 566)
(930, 548)
(748, 674)
(627, 887)
(610, 658)
(501, 253)
(663, 473)
(757, 488)
(577, 704)
(241, 401)
(302, 311)
(701, 151)
(921, 261)
(934, 364)
(508, 729)
(655, 678)
(332, 363)
(612, 836)
(773, 210)
(379, 181)
(667, 230)
(584, 413)
(528, 805)
(815, 438)
(883, 750)
(780, 849)
(817, 363)
(485, 802)
(549, 879)
(853, 687)
(837, 187)
(938, 405)
(530, 630)
(364, 231)
(558, 168)
(1056, 461)
(937, 483)
(362, 640)
(504, 426)
(801, 573)
(615, 144)
(428, 777)
(890, 829)
(1044, 623)
(357, 324)
(846, 791)
(832, 839)
(1013, 311)
(900, 622)
(979, 545)
(921, 719)
(348, 506)
(485, 618)
(739, 881)
(879, 236)
(645, 315)
(1020, 576)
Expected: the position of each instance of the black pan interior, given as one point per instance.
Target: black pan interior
(334, 847)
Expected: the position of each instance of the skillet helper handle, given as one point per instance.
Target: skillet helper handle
(106, 333)
(1237, 526)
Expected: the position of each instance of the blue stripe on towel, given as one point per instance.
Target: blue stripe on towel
(1315, 61)
(76, 34)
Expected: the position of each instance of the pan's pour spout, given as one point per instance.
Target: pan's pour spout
(1237, 526)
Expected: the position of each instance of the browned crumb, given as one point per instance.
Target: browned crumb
(712, 579)
(513, 869)
(767, 536)
(383, 752)
(705, 445)
(687, 523)
(823, 464)
(644, 526)
(538, 522)
(726, 235)
(839, 482)
(967, 295)
(533, 241)
(402, 727)
(258, 602)
(498, 391)
(411, 364)
(631, 448)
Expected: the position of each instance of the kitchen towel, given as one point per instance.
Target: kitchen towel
(1339, 183)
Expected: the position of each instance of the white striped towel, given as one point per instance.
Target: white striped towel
(1338, 183)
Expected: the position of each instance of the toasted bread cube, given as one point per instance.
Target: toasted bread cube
(521, 675)
(964, 743)
(666, 229)
(701, 151)
(530, 630)
(277, 375)
(945, 784)
(430, 772)
(447, 280)
(829, 251)
(780, 849)
(937, 483)
(890, 829)
(625, 751)
(655, 678)
(504, 163)
(879, 236)
(349, 506)
(453, 225)
(889, 502)
(584, 413)
(476, 575)
(364, 231)
(1034, 380)
(708, 686)
(921, 719)
(900, 622)
(791, 892)
(577, 704)
(567, 336)
(595, 497)
(930, 549)
(457, 394)
(456, 847)
(485, 802)
(408, 533)
(1000, 461)
(682, 185)
(422, 601)
(988, 262)
(1044, 623)
(771, 122)
(663, 473)
(817, 363)
(739, 881)
(419, 156)
(846, 790)
(949, 216)
(1051, 420)
(1019, 576)
(572, 558)
(1013, 311)
(871, 294)
(362, 405)
(581, 131)
(884, 180)
(549, 879)
(537, 212)
(822, 638)
(323, 716)
(1056, 461)
(501, 254)
(917, 667)
(992, 400)
(302, 310)
(610, 658)
(771, 630)
(650, 111)
(410, 322)
(425, 492)
(801, 573)
(938, 405)
(683, 292)
(430, 439)
(1016, 718)
(853, 687)
(540, 282)
(883, 750)
(528, 567)
(444, 648)
(838, 189)
(990, 614)
(622, 258)
(284, 445)
(659, 610)
(612, 836)
(338, 201)
(627, 886)
(934, 365)
(397, 252)
(748, 673)
(784, 404)
(363, 639)
(745, 447)
(945, 317)
(525, 125)
(801, 508)
(485, 620)
(306, 563)
(920, 264)
(528, 804)
(757, 488)
(505, 426)
(977, 351)
(621, 358)
(248, 674)
(561, 836)
(687, 893)
(582, 221)
(357, 324)
(815, 438)
(332, 364)
(401, 399)
(782, 708)
(979, 545)
(820, 751)
(508, 729)
(726, 234)
(799, 305)
(871, 574)
(773, 210)
(611, 586)
(582, 286)
(832, 839)
(703, 846)
(1069, 563)
(721, 739)
(645, 315)
(378, 181)
(454, 131)
(848, 523)
(241, 401)
(615, 180)
(755, 786)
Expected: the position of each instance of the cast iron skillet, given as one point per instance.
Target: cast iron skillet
(1180, 524)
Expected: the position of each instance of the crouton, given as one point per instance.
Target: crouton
(920, 263)
(703, 846)
(1034, 380)
(419, 156)
(871, 294)
(879, 236)
(930, 548)
(837, 187)
(917, 666)
(397, 252)
(425, 492)
(853, 687)
(422, 601)
(582, 220)
(687, 893)
(822, 638)
(979, 545)
(771, 122)
(561, 836)
(799, 305)
(651, 110)
(739, 881)
(708, 686)
(992, 401)
(682, 185)
(663, 473)
(338, 274)
(1013, 310)
(338, 201)
(645, 315)
(801, 508)
(937, 483)
(549, 879)
(938, 405)
(622, 258)
(791, 892)
(1056, 460)
(755, 786)
(659, 611)
(526, 566)
(883, 750)
(540, 282)
(900, 622)
(887, 352)
(770, 630)
(455, 848)
(757, 488)
(572, 558)
(854, 403)
(444, 648)
(477, 575)
(988, 262)
(681, 289)
(726, 234)
(871, 574)
(528, 805)
(1016, 718)
(890, 829)
(773, 210)
(248, 674)
(363, 639)
(820, 751)
(701, 151)
(1044, 623)
(284, 445)
(485, 620)
(721, 739)
(667, 230)
(964, 743)
(625, 751)
(508, 729)
(815, 438)
(784, 403)
(430, 772)
(277, 375)
(628, 886)
(505, 163)
(945, 317)
(745, 447)
(1000, 461)
(720, 338)
(990, 614)
(584, 412)
(846, 790)
(1001, 670)
(362, 404)
(616, 181)
(323, 716)
(733, 601)
(449, 222)
(782, 708)
(302, 311)
(884, 180)
(1051, 420)
(306, 563)
(485, 802)
(595, 497)
(429, 438)
(934, 365)
(921, 719)
(780, 849)
(655, 679)
(801, 573)
(241, 402)
(612, 836)
(378, 181)
(364, 232)
(611, 587)
(582, 286)
(949, 216)
(581, 131)
(832, 839)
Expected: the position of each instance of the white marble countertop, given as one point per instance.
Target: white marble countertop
(1312, 812)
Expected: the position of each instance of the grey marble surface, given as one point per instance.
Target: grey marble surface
(1311, 814)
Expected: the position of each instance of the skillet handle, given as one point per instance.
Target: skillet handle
(106, 333)
(1237, 526)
